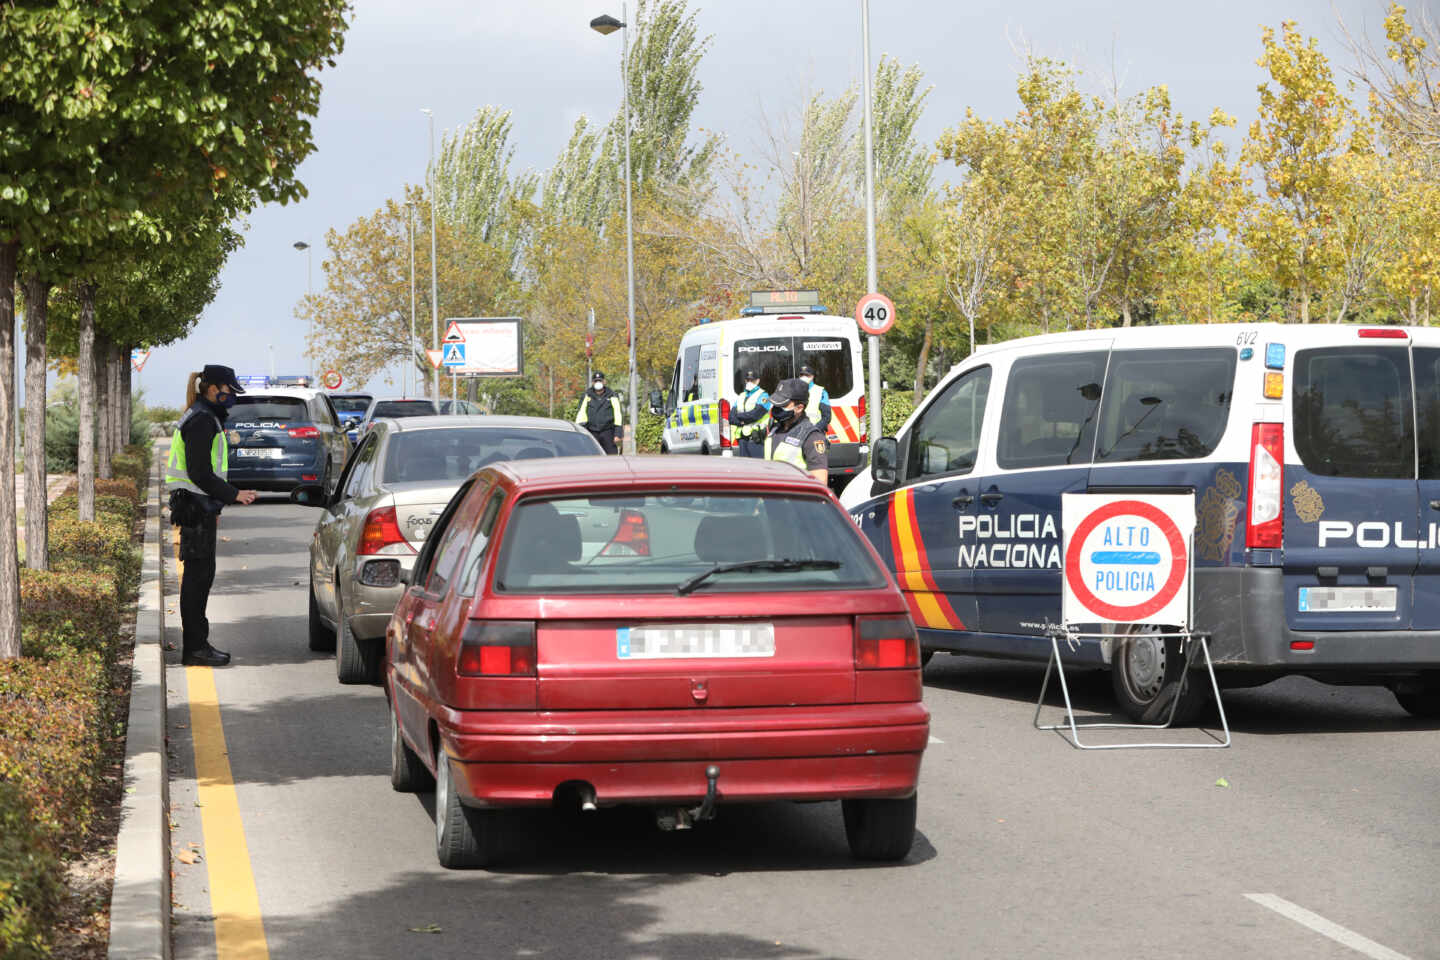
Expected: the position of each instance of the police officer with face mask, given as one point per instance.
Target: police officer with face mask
(196, 479)
(599, 413)
(792, 437)
(751, 413)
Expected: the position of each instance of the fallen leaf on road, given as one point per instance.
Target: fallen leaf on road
(428, 928)
(132, 789)
(1222, 782)
(187, 856)
(224, 539)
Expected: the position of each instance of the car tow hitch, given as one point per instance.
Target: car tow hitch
(681, 818)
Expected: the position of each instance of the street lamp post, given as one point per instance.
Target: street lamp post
(606, 25)
(434, 285)
(410, 347)
(310, 334)
(870, 271)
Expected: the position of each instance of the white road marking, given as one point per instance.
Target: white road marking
(1325, 927)
(935, 739)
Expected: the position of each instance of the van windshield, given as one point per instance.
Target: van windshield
(779, 358)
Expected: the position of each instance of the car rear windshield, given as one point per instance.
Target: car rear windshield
(351, 404)
(248, 409)
(779, 358)
(654, 543)
(1165, 404)
(395, 409)
(453, 453)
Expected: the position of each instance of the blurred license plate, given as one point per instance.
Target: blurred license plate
(695, 640)
(264, 453)
(1347, 599)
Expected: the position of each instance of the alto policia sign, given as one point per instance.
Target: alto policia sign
(1127, 558)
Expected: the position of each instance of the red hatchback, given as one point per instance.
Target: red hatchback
(673, 632)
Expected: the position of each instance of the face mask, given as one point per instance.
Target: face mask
(808, 379)
(599, 386)
(782, 414)
(225, 399)
(750, 385)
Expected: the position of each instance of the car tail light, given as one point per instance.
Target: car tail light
(1383, 333)
(497, 648)
(304, 433)
(382, 535)
(632, 537)
(1265, 526)
(860, 410)
(725, 424)
(886, 643)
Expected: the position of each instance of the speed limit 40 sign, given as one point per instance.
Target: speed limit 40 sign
(875, 314)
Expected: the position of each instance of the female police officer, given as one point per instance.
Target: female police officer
(196, 479)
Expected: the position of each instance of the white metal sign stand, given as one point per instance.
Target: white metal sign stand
(1141, 545)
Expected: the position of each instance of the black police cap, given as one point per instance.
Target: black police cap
(793, 390)
(807, 371)
(221, 376)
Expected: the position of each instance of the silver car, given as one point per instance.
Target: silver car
(393, 488)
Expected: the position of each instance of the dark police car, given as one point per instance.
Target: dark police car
(284, 436)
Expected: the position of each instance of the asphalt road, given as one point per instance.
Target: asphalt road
(1027, 847)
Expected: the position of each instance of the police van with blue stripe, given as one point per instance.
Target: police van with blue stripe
(1313, 455)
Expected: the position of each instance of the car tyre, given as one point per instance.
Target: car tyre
(926, 655)
(464, 838)
(322, 638)
(880, 829)
(407, 770)
(1145, 675)
(356, 660)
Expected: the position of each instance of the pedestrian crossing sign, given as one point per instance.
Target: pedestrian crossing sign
(454, 355)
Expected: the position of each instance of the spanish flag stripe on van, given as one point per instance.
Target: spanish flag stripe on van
(928, 605)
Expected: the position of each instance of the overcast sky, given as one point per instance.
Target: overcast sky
(539, 59)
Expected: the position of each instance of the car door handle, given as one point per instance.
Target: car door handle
(1435, 504)
(963, 501)
(992, 498)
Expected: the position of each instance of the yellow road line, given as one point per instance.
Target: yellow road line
(239, 930)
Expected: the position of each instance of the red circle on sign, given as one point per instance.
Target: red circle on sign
(877, 327)
(1167, 591)
(332, 384)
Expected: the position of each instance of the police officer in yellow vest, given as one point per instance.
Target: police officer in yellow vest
(818, 399)
(792, 438)
(600, 413)
(196, 479)
(751, 413)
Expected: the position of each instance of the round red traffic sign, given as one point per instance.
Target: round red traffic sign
(332, 380)
(875, 313)
(1161, 595)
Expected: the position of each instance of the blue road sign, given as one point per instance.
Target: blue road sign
(453, 355)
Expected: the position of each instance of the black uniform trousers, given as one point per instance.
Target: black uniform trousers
(606, 439)
(753, 445)
(197, 552)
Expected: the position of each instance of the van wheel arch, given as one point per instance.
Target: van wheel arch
(1146, 674)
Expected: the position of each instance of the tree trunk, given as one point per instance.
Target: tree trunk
(104, 407)
(1125, 312)
(923, 360)
(119, 421)
(127, 397)
(85, 456)
(37, 535)
(9, 558)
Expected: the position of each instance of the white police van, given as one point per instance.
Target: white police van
(1313, 453)
(781, 331)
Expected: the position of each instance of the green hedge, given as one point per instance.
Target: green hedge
(120, 510)
(30, 887)
(898, 404)
(101, 546)
(68, 610)
(649, 432)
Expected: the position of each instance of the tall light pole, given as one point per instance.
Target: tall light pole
(606, 25)
(870, 272)
(310, 334)
(410, 347)
(434, 284)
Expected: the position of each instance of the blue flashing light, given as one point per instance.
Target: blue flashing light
(1275, 356)
(818, 309)
(1247, 353)
(704, 319)
(751, 311)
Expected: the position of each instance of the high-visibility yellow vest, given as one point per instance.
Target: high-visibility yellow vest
(177, 474)
(749, 402)
(791, 453)
(582, 416)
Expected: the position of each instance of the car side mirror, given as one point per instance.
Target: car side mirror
(884, 463)
(657, 402)
(310, 495)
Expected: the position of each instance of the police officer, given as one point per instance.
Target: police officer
(196, 479)
(600, 412)
(818, 399)
(792, 437)
(751, 413)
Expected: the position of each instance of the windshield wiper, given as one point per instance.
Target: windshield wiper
(700, 578)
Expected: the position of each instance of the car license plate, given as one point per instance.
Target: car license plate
(1347, 599)
(261, 453)
(695, 640)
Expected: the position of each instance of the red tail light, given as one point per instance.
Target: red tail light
(304, 433)
(381, 534)
(1383, 333)
(725, 424)
(860, 407)
(1265, 499)
(497, 648)
(886, 643)
(632, 537)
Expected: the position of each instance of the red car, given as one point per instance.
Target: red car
(674, 632)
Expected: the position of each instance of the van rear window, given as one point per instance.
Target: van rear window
(1352, 412)
(1165, 404)
(779, 358)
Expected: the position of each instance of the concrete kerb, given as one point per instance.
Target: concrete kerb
(140, 900)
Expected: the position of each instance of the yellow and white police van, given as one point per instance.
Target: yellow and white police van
(1313, 454)
(780, 332)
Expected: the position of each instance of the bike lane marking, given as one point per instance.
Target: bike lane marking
(239, 928)
(1326, 928)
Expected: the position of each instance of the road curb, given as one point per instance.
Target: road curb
(140, 900)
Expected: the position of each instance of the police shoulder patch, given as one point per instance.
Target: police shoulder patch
(819, 446)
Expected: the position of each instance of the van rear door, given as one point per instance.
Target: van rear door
(1352, 522)
(1425, 360)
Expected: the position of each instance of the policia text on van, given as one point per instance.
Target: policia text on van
(1313, 454)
